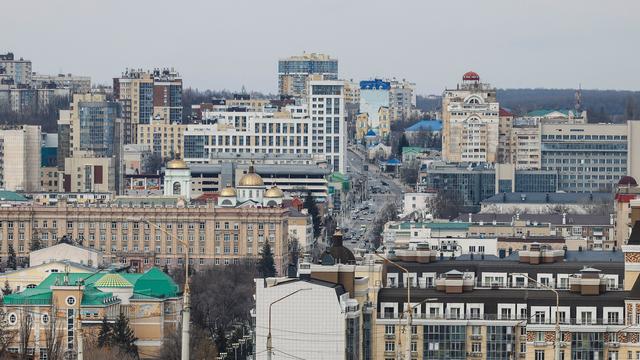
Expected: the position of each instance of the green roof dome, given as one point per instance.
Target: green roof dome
(112, 281)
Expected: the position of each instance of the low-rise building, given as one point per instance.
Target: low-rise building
(64, 303)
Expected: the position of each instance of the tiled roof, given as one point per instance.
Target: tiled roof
(112, 280)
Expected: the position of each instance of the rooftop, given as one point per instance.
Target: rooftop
(548, 198)
(433, 125)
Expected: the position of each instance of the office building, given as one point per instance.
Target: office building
(20, 158)
(475, 183)
(470, 117)
(294, 72)
(587, 157)
(232, 233)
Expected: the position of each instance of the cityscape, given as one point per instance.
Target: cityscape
(355, 205)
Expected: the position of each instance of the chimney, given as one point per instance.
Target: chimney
(470, 218)
(610, 219)
(564, 218)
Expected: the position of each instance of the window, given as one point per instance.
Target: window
(476, 347)
(389, 329)
(476, 330)
(390, 346)
(539, 355)
(539, 336)
(612, 317)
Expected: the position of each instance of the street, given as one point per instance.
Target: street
(370, 192)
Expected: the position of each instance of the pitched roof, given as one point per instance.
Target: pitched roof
(433, 125)
(11, 196)
(634, 238)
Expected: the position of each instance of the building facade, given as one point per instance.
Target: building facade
(470, 117)
(294, 72)
(20, 158)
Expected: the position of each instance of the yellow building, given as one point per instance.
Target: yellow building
(29, 277)
(384, 122)
(67, 306)
(362, 125)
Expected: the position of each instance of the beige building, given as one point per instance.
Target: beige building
(87, 173)
(20, 158)
(526, 151)
(69, 306)
(505, 141)
(29, 277)
(165, 139)
(470, 118)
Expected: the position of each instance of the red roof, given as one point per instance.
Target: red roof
(505, 112)
(471, 76)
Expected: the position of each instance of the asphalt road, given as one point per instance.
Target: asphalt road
(356, 223)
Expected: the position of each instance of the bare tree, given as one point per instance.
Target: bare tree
(294, 249)
(7, 335)
(447, 204)
(53, 330)
(24, 333)
(201, 346)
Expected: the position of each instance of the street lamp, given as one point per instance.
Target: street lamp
(269, 344)
(409, 308)
(547, 287)
(186, 303)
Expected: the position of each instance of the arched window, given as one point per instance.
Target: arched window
(176, 188)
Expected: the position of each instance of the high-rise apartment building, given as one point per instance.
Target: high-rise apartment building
(20, 158)
(470, 115)
(147, 95)
(326, 110)
(18, 70)
(294, 72)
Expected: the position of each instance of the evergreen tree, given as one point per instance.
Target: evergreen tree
(401, 144)
(122, 337)
(312, 208)
(7, 289)
(106, 332)
(11, 261)
(35, 244)
(266, 264)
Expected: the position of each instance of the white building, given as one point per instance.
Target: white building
(62, 252)
(470, 119)
(308, 319)
(329, 128)
(417, 202)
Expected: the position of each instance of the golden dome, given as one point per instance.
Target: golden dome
(177, 164)
(274, 192)
(228, 191)
(251, 179)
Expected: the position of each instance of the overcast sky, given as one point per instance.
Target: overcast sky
(227, 44)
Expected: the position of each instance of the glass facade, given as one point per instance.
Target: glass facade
(194, 146)
(587, 346)
(366, 336)
(146, 102)
(353, 338)
(532, 181)
(500, 342)
(445, 342)
(97, 127)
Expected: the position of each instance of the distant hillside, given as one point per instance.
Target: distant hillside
(602, 105)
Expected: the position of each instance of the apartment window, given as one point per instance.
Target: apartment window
(390, 346)
(414, 346)
(389, 329)
(613, 355)
(539, 355)
(612, 318)
(539, 336)
(476, 330)
(476, 347)
(505, 313)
